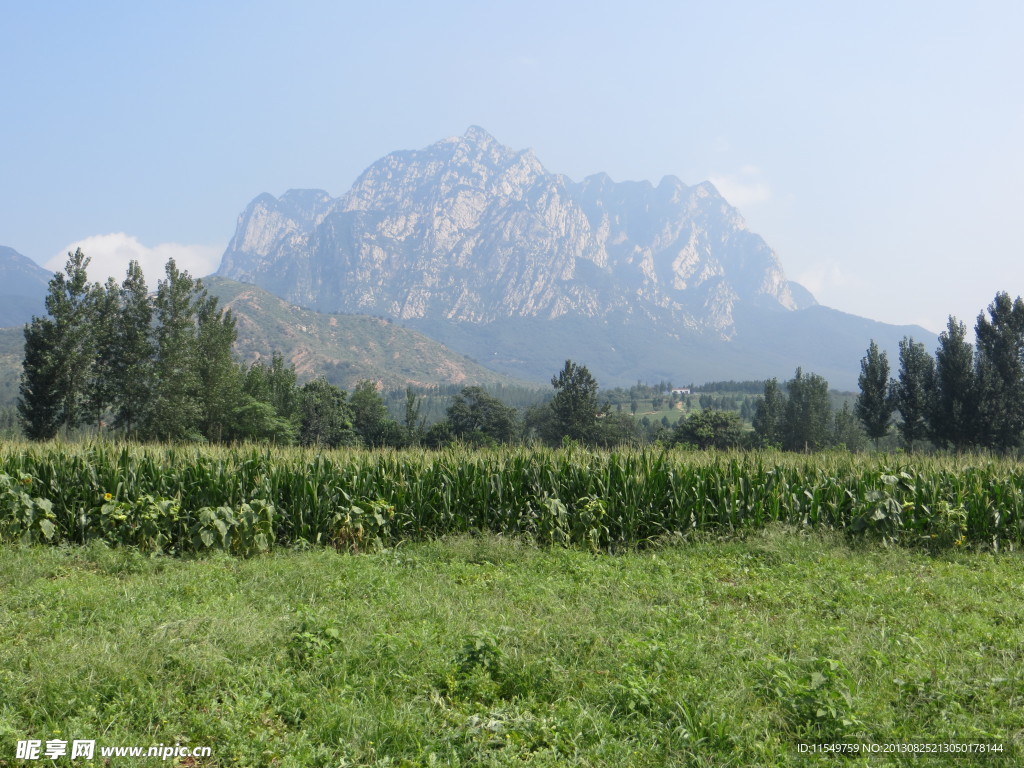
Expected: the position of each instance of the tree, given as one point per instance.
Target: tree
(101, 390)
(847, 430)
(275, 384)
(474, 412)
(175, 408)
(59, 354)
(133, 360)
(370, 417)
(999, 373)
(874, 405)
(808, 418)
(575, 410)
(710, 429)
(617, 429)
(326, 416)
(912, 391)
(220, 382)
(253, 419)
(39, 407)
(770, 415)
(954, 406)
(414, 425)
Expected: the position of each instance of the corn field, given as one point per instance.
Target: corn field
(179, 500)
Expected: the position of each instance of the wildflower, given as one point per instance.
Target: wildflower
(26, 480)
(108, 496)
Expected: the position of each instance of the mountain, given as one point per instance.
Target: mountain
(472, 231)
(343, 348)
(23, 287)
(483, 249)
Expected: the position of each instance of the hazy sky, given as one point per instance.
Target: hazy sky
(877, 146)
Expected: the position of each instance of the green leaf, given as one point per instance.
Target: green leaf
(47, 529)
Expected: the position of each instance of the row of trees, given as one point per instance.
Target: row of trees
(575, 413)
(113, 357)
(156, 367)
(159, 367)
(799, 416)
(965, 397)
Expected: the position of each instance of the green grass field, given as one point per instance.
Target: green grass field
(509, 607)
(488, 651)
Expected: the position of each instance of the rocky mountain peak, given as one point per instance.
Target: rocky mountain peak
(470, 231)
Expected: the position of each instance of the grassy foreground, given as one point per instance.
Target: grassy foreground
(485, 651)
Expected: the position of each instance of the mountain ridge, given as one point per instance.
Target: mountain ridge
(23, 287)
(345, 349)
(476, 244)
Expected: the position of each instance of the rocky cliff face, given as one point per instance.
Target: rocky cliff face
(484, 250)
(470, 231)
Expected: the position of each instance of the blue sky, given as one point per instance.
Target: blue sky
(877, 146)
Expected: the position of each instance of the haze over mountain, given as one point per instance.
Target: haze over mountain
(483, 249)
(23, 286)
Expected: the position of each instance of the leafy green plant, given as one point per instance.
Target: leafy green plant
(553, 522)
(946, 526)
(479, 669)
(245, 532)
(590, 523)
(363, 526)
(22, 517)
(313, 639)
(359, 500)
(147, 523)
(814, 697)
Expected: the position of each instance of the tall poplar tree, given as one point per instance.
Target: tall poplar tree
(874, 404)
(808, 420)
(38, 405)
(913, 391)
(955, 403)
(847, 430)
(174, 410)
(59, 354)
(370, 417)
(220, 381)
(102, 386)
(999, 372)
(133, 364)
(770, 415)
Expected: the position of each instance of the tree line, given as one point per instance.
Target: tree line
(114, 359)
(966, 396)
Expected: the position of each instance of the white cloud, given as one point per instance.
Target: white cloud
(743, 188)
(823, 278)
(109, 256)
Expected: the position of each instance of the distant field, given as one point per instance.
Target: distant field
(485, 651)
